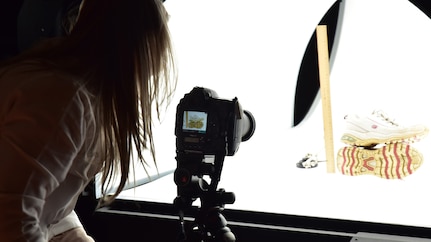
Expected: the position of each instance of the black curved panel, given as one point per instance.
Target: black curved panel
(308, 78)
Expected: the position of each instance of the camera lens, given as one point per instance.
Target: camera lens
(248, 126)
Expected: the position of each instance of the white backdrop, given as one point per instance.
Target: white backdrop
(253, 50)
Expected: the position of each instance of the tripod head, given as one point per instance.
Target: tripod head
(210, 224)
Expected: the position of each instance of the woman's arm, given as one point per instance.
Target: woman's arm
(42, 128)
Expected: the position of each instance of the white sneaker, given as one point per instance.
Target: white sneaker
(377, 128)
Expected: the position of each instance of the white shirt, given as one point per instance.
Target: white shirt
(47, 154)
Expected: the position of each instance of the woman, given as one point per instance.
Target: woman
(73, 106)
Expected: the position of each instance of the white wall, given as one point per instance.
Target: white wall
(252, 50)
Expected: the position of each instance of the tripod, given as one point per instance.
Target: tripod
(209, 224)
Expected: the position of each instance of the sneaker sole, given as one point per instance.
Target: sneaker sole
(351, 139)
(392, 161)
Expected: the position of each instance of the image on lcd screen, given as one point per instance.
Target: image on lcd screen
(195, 121)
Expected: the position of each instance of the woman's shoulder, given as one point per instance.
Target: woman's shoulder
(34, 74)
(35, 78)
(34, 86)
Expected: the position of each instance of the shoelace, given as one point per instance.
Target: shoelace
(382, 115)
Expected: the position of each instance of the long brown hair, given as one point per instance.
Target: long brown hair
(121, 50)
(132, 39)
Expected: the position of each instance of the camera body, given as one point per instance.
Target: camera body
(207, 126)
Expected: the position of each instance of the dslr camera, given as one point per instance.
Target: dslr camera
(207, 129)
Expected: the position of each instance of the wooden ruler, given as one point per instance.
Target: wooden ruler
(323, 60)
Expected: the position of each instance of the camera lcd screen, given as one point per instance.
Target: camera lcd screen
(195, 121)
